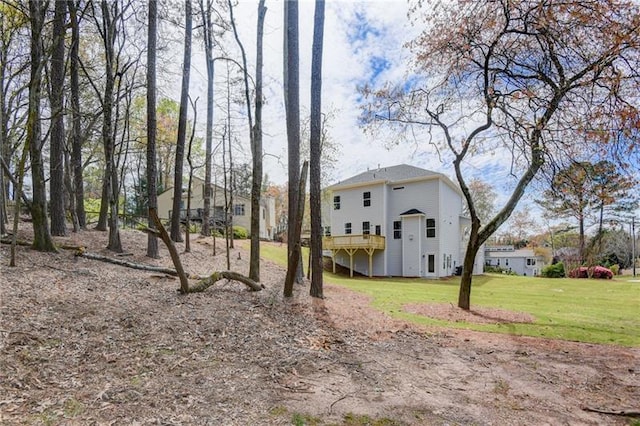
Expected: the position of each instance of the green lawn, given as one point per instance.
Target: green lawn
(595, 311)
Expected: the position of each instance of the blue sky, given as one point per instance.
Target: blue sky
(363, 44)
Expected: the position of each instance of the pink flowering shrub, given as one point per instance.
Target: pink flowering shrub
(579, 272)
(599, 272)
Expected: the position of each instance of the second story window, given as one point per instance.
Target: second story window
(366, 228)
(366, 198)
(336, 202)
(397, 230)
(431, 228)
(347, 228)
(238, 210)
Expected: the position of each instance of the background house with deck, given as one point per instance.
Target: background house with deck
(239, 212)
(398, 221)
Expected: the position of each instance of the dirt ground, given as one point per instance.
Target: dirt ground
(86, 342)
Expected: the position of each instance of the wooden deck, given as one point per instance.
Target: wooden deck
(351, 244)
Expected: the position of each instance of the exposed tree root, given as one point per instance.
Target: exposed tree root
(120, 262)
(630, 413)
(207, 282)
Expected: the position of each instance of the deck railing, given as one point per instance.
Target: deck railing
(363, 241)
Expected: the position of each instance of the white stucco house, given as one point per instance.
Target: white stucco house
(239, 212)
(398, 221)
(521, 261)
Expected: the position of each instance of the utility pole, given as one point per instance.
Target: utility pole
(633, 243)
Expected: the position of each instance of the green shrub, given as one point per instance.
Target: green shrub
(554, 271)
(615, 269)
(239, 233)
(498, 270)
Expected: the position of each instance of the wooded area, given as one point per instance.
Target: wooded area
(125, 144)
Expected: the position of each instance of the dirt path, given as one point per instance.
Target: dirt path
(84, 342)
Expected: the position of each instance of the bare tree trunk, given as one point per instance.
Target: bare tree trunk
(56, 159)
(315, 145)
(255, 136)
(175, 257)
(292, 110)
(208, 47)
(182, 126)
(41, 235)
(110, 15)
(16, 209)
(295, 256)
(76, 151)
(70, 201)
(464, 293)
(152, 240)
(227, 201)
(187, 242)
(256, 185)
(232, 187)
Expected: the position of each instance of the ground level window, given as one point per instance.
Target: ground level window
(347, 228)
(531, 262)
(431, 263)
(366, 228)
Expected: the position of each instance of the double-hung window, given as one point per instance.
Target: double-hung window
(366, 228)
(397, 230)
(347, 228)
(238, 210)
(431, 228)
(366, 198)
(336, 202)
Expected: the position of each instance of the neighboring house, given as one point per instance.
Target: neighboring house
(521, 261)
(240, 212)
(398, 221)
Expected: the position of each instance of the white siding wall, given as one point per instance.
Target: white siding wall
(353, 211)
(449, 225)
(422, 196)
(434, 198)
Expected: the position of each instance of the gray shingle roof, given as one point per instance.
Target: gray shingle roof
(411, 212)
(389, 174)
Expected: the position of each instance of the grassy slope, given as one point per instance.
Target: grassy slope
(595, 311)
